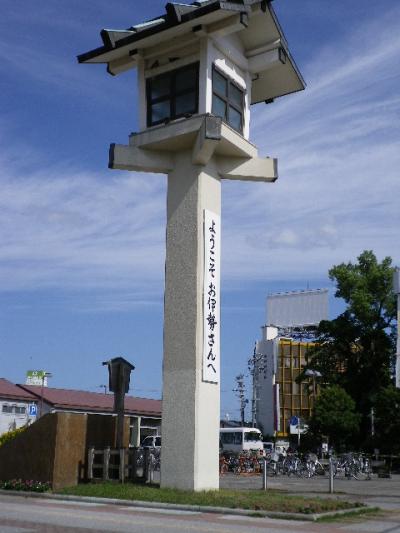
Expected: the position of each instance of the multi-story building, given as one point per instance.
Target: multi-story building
(282, 404)
(279, 396)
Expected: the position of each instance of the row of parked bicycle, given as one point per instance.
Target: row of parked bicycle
(350, 465)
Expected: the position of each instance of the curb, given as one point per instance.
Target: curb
(182, 507)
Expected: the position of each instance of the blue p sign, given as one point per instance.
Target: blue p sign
(32, 409)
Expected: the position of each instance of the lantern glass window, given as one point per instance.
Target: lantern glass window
(235, 119)
(227, 100)
(219, 107)
(220, 83)
(172, 95)
(185, 103)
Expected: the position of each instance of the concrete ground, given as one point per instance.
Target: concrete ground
(383, 492)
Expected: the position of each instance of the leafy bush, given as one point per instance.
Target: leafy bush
(28, 486)
(10, 435)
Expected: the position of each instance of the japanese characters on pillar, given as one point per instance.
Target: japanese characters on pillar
(211, 297)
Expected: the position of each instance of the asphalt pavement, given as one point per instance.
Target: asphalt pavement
(33, 515)
(21, 514)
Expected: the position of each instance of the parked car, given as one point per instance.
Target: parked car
(268, 447)
(152, 441)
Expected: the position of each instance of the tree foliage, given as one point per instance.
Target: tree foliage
(10, 435)
(334, 416)
(356, 349)
(387, 420)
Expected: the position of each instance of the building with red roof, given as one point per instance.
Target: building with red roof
(17, 407)
(144, 413)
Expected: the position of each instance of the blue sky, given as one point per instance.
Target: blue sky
(82, 247)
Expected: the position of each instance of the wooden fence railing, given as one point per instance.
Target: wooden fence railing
(124, 464)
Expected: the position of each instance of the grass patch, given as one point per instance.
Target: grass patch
(353, 516)
(255, 500)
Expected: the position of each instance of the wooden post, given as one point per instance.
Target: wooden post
(90, 462)
(119, 398)
(106, 463)
(119, 370)
(122, 465)
(146, 461)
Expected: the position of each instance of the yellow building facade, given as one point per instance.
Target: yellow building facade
(293, 399)
(279, 396)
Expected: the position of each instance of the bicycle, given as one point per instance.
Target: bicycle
(313, 466)
(351, 465)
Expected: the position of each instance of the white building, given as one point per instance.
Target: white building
(18, 407)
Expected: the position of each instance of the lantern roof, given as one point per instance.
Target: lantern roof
(261, 38)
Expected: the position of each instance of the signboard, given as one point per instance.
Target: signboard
(36, 377)
(211, 297)
(297, 309)
(32, 410)
(297, 429)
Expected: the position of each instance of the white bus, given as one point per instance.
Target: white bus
(241, 439)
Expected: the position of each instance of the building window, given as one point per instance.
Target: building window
(172, 95)
(227, 100)
(16, 409)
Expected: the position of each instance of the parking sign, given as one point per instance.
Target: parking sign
(32, 409)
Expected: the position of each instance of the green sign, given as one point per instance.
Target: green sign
(40, 374)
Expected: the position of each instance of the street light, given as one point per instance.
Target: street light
(257, 364)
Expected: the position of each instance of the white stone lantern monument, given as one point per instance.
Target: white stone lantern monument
(199, 67)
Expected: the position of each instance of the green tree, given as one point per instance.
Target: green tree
(334, 416)
(356, 350)
(387, 420)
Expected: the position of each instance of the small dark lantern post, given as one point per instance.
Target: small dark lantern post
(119, 371)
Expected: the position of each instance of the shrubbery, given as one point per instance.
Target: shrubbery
(28, 486)
(5, 437)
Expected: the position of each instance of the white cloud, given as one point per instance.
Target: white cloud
(70, 229)
(338, 149)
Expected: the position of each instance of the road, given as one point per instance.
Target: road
(30, 515)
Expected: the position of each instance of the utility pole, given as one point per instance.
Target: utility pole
(240, 393)
(44, 377)
(256, 365)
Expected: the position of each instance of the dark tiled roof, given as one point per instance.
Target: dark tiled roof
(93, 401)
(176, 13)
(12, 392)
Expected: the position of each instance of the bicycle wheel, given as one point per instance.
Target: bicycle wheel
(357, 473)
(272, 469)
(319, 469)
(302, 470)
